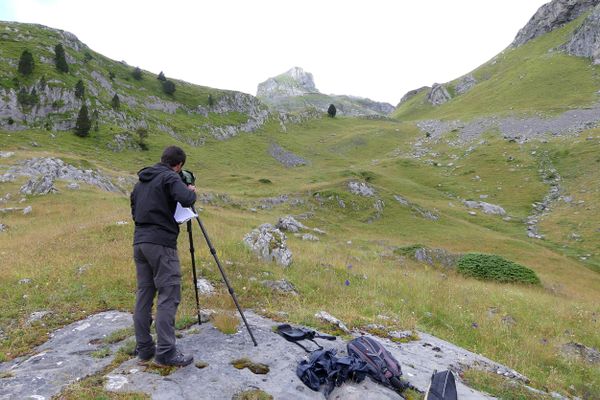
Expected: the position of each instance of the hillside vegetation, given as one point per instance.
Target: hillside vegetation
(72, 254)
(531, 79)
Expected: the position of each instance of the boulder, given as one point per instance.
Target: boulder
(290, 224)
(438, 95)
(310, 238)
(465, 84)
(361, 189)
(37, 316)
(325, 316)
(269, 243)
(204, 287)
(578, 350)
(281, 286)
(436, 257)
(39, 185)
(487, 208)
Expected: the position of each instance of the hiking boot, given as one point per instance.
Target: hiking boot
(177, 360)
(144, 357)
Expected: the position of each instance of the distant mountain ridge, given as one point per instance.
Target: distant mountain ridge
(295, 90)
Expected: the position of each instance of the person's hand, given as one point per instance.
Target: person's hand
(192, 188)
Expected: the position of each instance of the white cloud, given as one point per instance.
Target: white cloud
(378, 49)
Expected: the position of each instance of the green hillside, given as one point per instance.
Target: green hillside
(72, 254)
(533, 78)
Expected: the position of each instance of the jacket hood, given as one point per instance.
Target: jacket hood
(149, 173)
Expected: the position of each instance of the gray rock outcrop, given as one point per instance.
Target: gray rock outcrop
(280, 286)
(43, 171)
(582, 352)
(465, 84)
(295, 91)
(205, 287)
(417, 210)
(551, 16)
(487, 208)
(290, 224)
(326, 317)
(438, 95)
(269, 244)
(361, 189)
(287, 158)
(66, 358)
(412, 93)
(435, 257)
(243, 103)
(39, 185)
(585, 41)
(294, 82)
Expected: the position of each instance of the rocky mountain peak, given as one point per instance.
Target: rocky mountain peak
(551, 16)
(295, 82)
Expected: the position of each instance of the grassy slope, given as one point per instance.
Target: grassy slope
(51, 250)
(339, 150)
(530, 79)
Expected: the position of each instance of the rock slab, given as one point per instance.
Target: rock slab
(65, 358)
(220, 380)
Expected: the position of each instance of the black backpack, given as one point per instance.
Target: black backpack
(383, 367)
(295, 334)
(323, 371)
(442, 387)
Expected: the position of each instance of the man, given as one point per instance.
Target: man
(153, 202)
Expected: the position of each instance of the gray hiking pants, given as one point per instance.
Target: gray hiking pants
(157, 270)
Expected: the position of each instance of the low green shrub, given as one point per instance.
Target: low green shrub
(491, 267)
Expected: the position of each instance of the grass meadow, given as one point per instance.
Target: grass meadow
(77, 256)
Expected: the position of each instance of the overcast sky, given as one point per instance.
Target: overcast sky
(378, 49)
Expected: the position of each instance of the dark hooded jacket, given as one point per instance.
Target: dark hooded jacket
(153, 202)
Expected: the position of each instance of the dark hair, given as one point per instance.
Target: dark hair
(172, 156)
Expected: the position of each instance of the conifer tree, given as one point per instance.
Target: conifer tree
(331, 111)
(43, 82)
(210, 100)
(26, 63)
(83, 124)
(115, 102)
(95, 121)
(168, 87)
(161, 77)
(79, 89)
(137, 74)
(59, 58)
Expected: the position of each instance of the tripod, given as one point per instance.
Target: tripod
(214, 253)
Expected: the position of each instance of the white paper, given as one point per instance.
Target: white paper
(184, 214)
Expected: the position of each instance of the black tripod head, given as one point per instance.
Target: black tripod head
(187, 177)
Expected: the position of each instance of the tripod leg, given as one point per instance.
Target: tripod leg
(189, 229)
(231, 292)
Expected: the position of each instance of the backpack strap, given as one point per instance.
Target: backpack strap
(295, 335)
